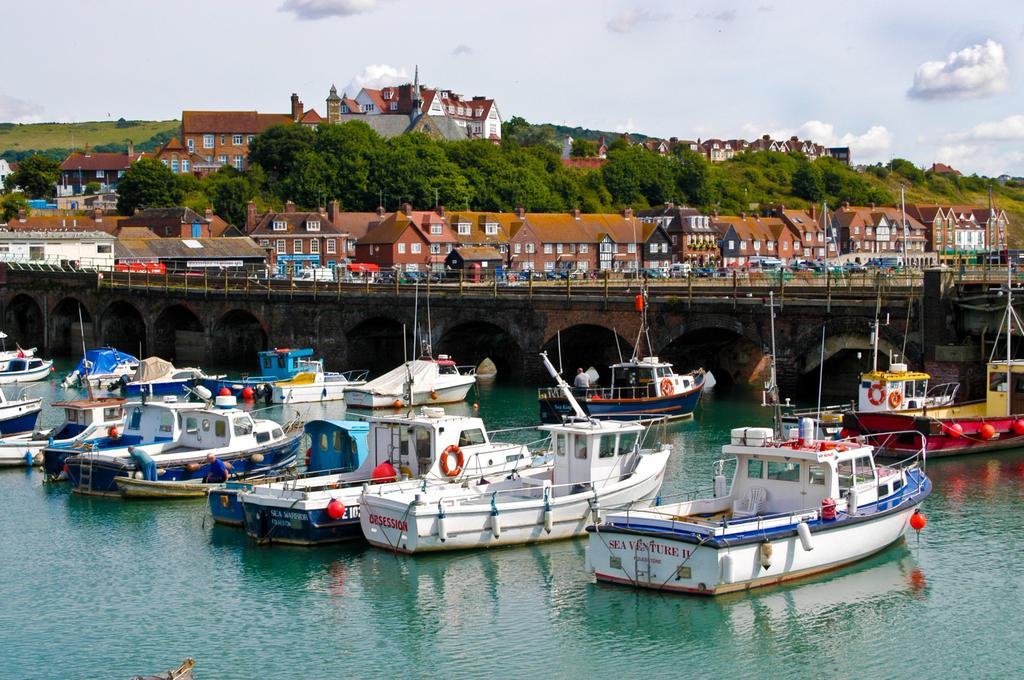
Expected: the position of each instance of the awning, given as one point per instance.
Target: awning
(563, 258)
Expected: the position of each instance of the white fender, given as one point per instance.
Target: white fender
(496, 525)
(720, 487)
(727, 568)
(804, 532)
(548, 520)
(442, 528)
(851, 502)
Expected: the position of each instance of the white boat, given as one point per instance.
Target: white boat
(313, 384)
(101, 367)
(18, 415)
(796, 507)
(84, 420)
(598, 465)
(424, 449)
(17, 353)
(24, 369)
(421, 382)
(131, 487)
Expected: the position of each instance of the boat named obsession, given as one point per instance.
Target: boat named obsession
(796, 507)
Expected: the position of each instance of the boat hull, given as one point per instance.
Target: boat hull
(304, 394)
(16, 420)
(676, 406)
(655, 560)
(305, 526)
(176, 388)
(450, 394)
(15, 377)
(258, 384)
(226, 506)
(941, 440)
(142, 489)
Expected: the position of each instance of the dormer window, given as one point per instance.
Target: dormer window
(435, 229)
(386, 94)
(463, 228)
(280, 225)
(491, 229)
(312, 225)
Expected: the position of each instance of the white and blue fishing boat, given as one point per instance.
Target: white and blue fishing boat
(101, 366)
(24, 369)
(273, 365)
(335, 447)
(18, 415)
(796, 507)
(172, 442)
(84, 420)
(314, 384)
(158, 378)
(423, 449)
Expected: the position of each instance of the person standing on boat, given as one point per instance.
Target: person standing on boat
(218, 471)
(582, 380)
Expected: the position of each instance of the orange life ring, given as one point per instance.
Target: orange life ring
(667, 388)
(895, 399)
(871, 394)
(460, 460)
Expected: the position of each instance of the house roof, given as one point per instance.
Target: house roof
(240, 122)
(128, 231)
(215, 248)
(79, 160)
(355, 224)
(477, 229)
(76, 223)
(479, 253)
(311, 117)
(296, 224)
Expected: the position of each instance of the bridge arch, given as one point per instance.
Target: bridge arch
(470, 342)
(733, 352)
(331, 342)
(123, 327)
(377, 344)
(65, 332)
(584, 345)
(238, 335)
(23, 322)
(178, 335)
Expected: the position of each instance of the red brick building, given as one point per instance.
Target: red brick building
(410, 240)
(299, 239)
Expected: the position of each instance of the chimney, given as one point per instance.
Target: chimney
(872, 205)
(208, 214)
(814, 211)
(88, 152)
(333, 208)
(296, 108)
(97, 215)
(846, 205)
(250, 216)
(289, 207)
(627, 213)
(131, 150)
(520, 212)
(21, 215)
(743, 215)
(575, 212)
(669, 205)
(407, 209)
(322, 210)
(380, 211)
(137, 212)
(439, 210)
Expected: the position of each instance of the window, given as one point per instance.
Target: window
(435, 248)
(816, 475)
(864, 471)
(401, 249)
(100, 173)
(531, 248)
(653, 247)
(606, 447)
(174, 166)
(297, 246)
(332, 247)
(416, 248)
(136, 419)
(185, 166)
(471, 437)
(584, 248)
(207, 141)
(560, 442)
(236, 140)
(997, 382)
(783, 472)
(167, 422)
(559, 248)
(548, 248)
(280, 225)
(314, 246)
(581, 448)
(312, 225)
(755, 469)
(243, 426)
(264, 242)
(845, 472)
(238, 163)
(627, 442)
(222, 159)
(631, 248)
(412, 267)
(281, 250)
(491, 229)
(463, 228)
(192, 425)
(206, 424)
(191, 145)
(732, 245)
(250, 138)
(517, 248)
(435, 229)
(103, 249)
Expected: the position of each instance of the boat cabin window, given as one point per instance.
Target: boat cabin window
(268, 362)
(816, 475)
(243, 426)
(281, 361)
(897, 485)
(166, 421)
(471, 437)
(632, 376)
(71, 415)
(325, 441)
(136, 419)
(581, 448)
(220, 428)
(864, 471)
(421, 441)
(664, 371)
(627, 442)
(755, 469)
(606, 447)
(112, 413)
(845, 471)
(997, 381)
(447, 369)
(191, 425)
(278, 433)
(262, 437)
(206, 424)
(783, 471)
(560, 444)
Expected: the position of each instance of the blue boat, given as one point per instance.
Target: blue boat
(336, 446)
(170, 441)
(18, 415)
(274, 365)
(101, 366)
(85, 421)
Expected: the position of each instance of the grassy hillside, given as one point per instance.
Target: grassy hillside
(20, 138)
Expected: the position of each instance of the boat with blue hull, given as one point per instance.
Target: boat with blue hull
(18, 415)
(85, 420)
(274, 365)
(335, 447)
(177, 450)
(424, 449)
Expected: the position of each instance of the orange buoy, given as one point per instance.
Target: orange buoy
(956, 430)
(397, 403)
(335, 509)
(987, 431)
(918, 521)
(1018, 426)
(639, 303)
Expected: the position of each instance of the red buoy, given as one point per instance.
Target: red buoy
(335, 509)
(224, 392)
(385, 472)
(248, 394)
(987, 431)
(112, 432)
(639, 303)
(844, 433)
(828, 509)
(1018, 426)
(918, 521)
(956, 430)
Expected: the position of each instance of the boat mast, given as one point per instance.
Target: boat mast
(85, 357)
(1009, 329)
(777, 414)
(903, 226)
(874, 348)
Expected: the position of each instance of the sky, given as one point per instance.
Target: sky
(928, 81)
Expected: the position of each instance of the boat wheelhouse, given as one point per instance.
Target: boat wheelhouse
(423, 450)
(794, 508)
(85, 420)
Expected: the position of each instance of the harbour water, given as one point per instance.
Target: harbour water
(99, 588)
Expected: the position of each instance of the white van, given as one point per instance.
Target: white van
(315, 274)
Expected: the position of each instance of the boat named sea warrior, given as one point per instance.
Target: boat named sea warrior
(796, 508)
(426, 449)
(177, 449)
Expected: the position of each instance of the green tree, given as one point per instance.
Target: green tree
(277, 149)
(808, 182)
(92, 187)
(692, 176)
(908, 170)
(352, 153)
(415, 169)
(583, 148)
(37, 176)
(11, 204)
(229, 193)
(148, 183)
(635, 176)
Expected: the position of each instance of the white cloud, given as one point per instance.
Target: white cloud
(976, 71)
(628, 126)
(726, 16)
(461, 50)
(376, 76)
(1010, 128)
(322, 9)
(628, 19)
(14, 110)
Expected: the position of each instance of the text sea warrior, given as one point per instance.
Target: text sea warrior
(388, 522)
(647, 546)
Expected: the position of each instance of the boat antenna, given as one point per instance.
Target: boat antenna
(821, 370)
(85, 358)
(874, 347)
(405, 347)
(617, 348)
(417, 340)
(558, 336)
(1009, 328)
(430, 328)
(774, 387)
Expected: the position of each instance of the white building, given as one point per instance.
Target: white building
(93, 249)
(5, 170)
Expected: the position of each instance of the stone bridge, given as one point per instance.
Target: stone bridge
(374, 328)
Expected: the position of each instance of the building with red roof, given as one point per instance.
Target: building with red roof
(83, 167)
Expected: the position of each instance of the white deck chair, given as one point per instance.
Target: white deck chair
(752, 502)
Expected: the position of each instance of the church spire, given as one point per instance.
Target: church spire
(417, 97)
